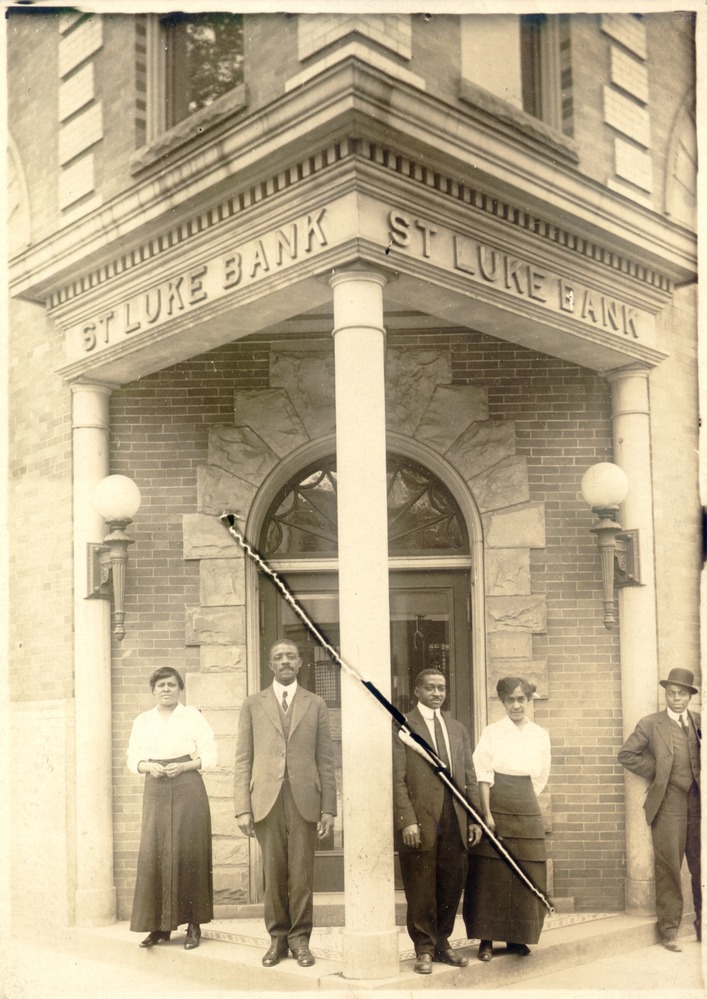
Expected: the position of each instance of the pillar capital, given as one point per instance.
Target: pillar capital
(358, 302)
(89, 404)
(358, 272)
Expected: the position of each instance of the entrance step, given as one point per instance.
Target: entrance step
(231, 951)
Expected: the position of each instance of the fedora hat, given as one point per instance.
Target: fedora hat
(682, 677)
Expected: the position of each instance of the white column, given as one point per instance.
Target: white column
(637, 614)
(371, 940)
(95, 890)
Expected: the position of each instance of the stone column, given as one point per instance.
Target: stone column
(371, 940)
(637, 613)
(95, 890)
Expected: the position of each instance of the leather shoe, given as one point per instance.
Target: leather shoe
(155, 937)
(303, 955)
(522, 950)
(275, 953)
(448, 956)
(193, 937)
(485, 950)
(423, 964)
(670, 943)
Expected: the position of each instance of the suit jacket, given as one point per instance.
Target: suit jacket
(648, 752)
(263, 756)
(418, 793)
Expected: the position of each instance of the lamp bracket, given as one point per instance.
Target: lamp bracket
(627, 561)
(99, 576)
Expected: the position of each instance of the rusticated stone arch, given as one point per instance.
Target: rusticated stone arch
(278, 427)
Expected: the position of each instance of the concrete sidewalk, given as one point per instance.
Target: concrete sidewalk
(608, 952)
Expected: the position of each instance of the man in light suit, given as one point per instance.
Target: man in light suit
(431, 828)
(285, 795)
(665, 748)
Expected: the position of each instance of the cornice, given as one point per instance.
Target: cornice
(365, 157)
(343, 115)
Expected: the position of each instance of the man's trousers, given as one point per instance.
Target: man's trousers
(676, 835)
(287, 842)
(433, 881)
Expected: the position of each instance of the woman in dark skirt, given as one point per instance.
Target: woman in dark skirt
(512, 763)
(171, 743)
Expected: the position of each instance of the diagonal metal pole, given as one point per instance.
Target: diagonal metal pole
(410, 738)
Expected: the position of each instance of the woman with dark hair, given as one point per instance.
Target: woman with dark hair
(171, 743)
(512, 763)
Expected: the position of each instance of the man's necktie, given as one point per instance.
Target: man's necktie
(441, 744)
(284, 701)
(683, 725)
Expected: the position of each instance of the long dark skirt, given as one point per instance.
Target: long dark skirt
(174, 870)
(497, 904)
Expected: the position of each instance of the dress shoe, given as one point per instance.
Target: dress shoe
(485, 950)
(423, 964)
(522, 950)
(448, 956)
(155, 937)
(275, 953)
(670, 943)
(193, 937)
(303, 955)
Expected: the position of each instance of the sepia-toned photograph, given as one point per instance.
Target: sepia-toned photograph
(353, 506)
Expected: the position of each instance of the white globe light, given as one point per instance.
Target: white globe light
(604, 485)
(117, 498)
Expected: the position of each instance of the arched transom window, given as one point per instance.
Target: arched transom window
(423, 516)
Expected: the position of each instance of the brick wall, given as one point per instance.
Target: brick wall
(39, 498)
(159, 429)
(561, 413)
(40, 620)
(32, 108)
(675, 440)
(671, 82)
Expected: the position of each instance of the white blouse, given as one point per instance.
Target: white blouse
(506, 748)
(183, 732)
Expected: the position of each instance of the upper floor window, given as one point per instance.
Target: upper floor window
(199, 59)
(518, 59)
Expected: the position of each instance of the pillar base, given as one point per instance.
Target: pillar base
(371, 955)
(96, 907)
(640, 897)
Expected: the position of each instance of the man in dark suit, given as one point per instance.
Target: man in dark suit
(431, 827)
(285, 795)
(665, 748)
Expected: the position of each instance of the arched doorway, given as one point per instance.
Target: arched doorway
(430, 579)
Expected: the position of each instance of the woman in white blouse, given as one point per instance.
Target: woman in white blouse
(512, 763)
(170, 744)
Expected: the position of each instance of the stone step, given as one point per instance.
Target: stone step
(231, 951)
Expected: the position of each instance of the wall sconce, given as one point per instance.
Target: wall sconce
(117, 499)
(604, 487)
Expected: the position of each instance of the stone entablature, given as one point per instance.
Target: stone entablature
(489, 266)
(271, 425)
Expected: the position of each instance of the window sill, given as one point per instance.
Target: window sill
(190, 128)
(520, 122)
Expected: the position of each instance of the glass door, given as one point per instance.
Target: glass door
(428, 628)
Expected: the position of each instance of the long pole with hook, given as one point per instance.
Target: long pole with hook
(410, 738)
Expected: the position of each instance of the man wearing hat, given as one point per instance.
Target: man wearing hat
(665, 748)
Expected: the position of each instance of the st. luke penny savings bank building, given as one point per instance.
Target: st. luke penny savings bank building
(386, 286)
